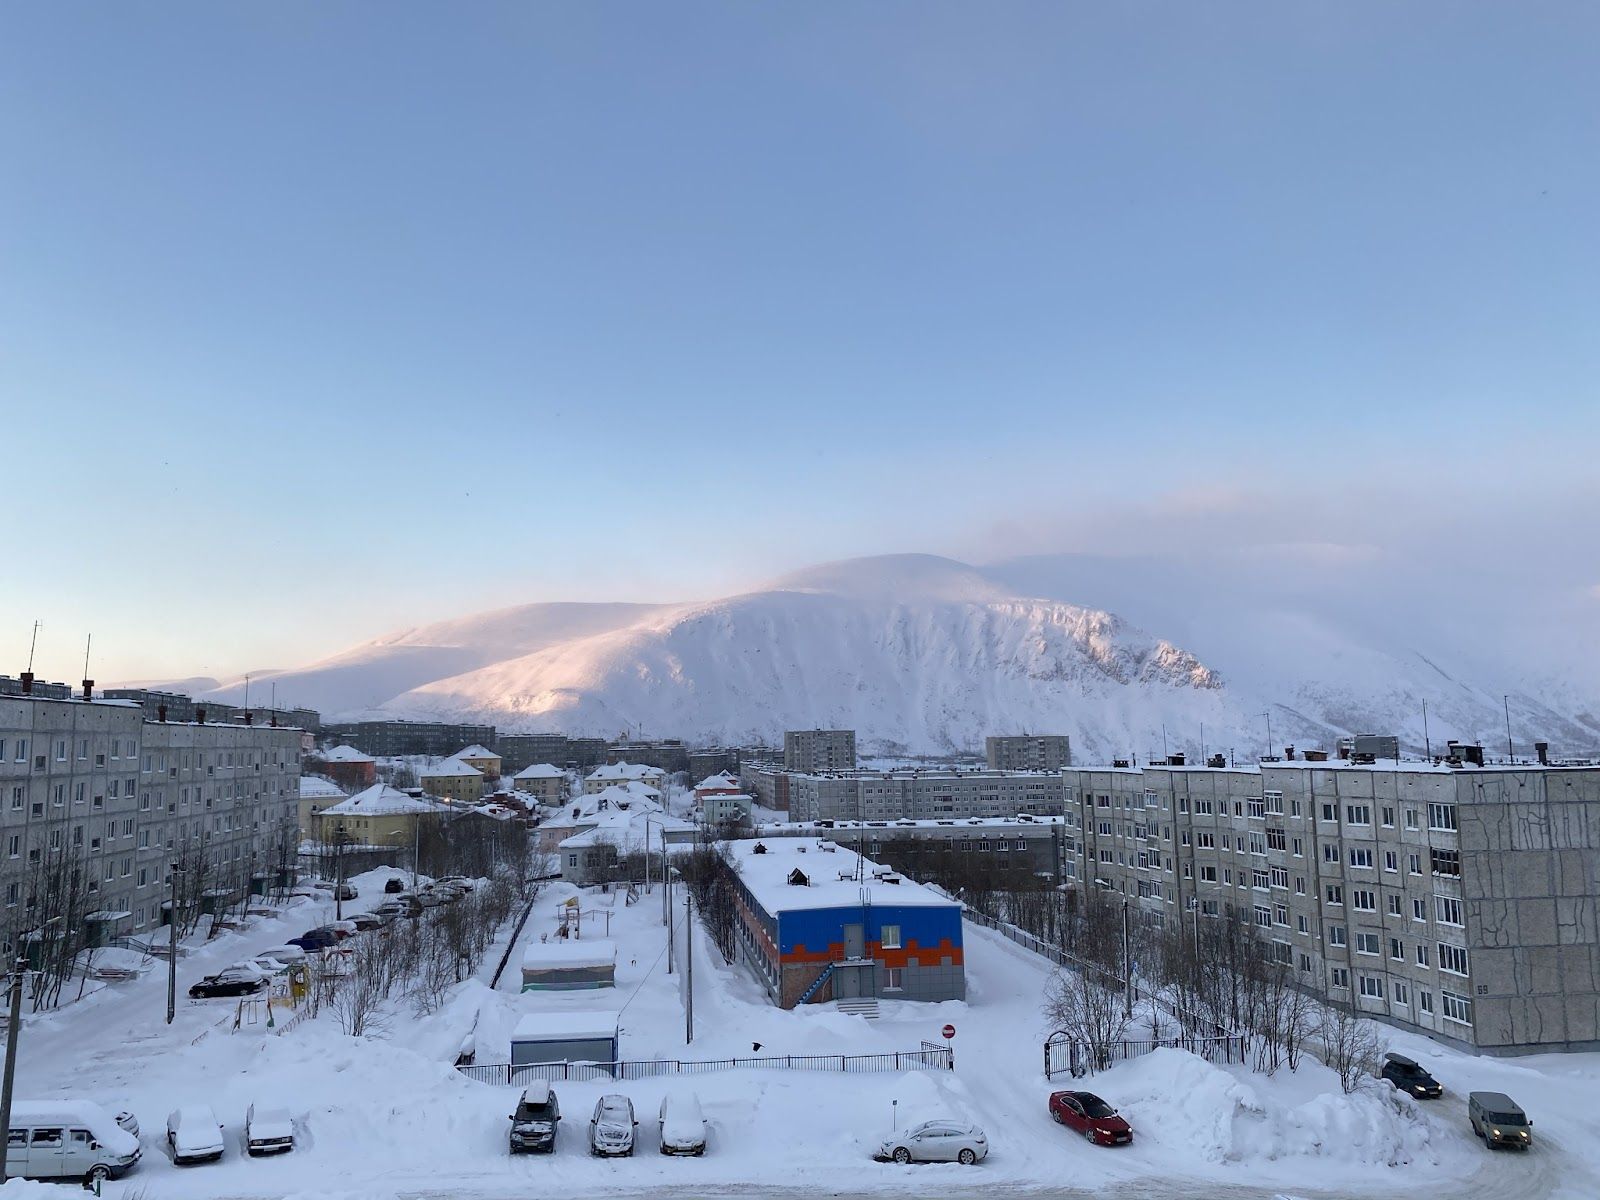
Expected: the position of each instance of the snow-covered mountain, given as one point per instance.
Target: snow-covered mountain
(923, 654)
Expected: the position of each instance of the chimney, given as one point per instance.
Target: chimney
(1174, 760)
(88, 689)
(1216, 760)
(272, 719)
(200, 715)
(249, 717)
(1288, 754)
(27, 683)
(161, 713)
(1542, 749)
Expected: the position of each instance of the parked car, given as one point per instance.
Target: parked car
(314, 941)
(268, 1130)
(533, 1125)
(238, 980)
(683, 1126)
(194, 1133)
(288, 954)
(341, 929)
(366, 922)
(1499, 1120)
(459, 881)
(322, 885)
(69, 1139)
(1406, 1075)
(346, 891)
(429, 899)
(394, 884)
(1091, 1116)
(271, 964)
(936, 1141)
(611, 1128)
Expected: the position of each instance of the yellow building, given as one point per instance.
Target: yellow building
(452, 779)
(379, 816)
(316, 794)
(485, 760)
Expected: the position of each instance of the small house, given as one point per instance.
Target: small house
(565, 1037)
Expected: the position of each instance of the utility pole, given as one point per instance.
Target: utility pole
(1511, 755)
(338, 871)
(416, 848)
(666, 891)
(1127, 962)
(12, 1030)
(172, 949)
(1427, 745)
(688, 966)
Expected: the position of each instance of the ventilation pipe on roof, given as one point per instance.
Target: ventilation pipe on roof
(200, 715)
(27, 683)
(161, 713)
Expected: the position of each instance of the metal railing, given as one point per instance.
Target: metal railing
(1064, 1056)
(930, 1058)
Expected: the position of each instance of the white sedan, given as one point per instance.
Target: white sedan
(194, 1133)
(936, 1141)
(268, 1130)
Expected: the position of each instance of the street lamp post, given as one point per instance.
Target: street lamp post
(338, 871)
(172, 948)
(12, 1029)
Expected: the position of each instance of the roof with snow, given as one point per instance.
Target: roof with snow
(565, 952)
(498, 812)
(539, 771)
(314, 786)
(379, 800)
(347, 754)
(767, 874)
(475, 751)
(623, 771)
(628, 830)
(718, 782)
(450, 768)
(565, 1027)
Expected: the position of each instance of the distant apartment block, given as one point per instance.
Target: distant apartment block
(452, 779)
(1028, 752)
(388, 739)
(519, 750)
(1459, 901)
(921, 795)
(816, 750)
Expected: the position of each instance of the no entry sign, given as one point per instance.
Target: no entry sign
(949, 1031)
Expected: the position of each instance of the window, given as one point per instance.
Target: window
(1452, 959)
(1442, 816)
(889, 937)
(1339, 977)
(1415, 864)
(1366, 943)
(1206, 841)
(1358, 814)
(1411, 818)
(1419, 910)
(1263, 916)
(1422, 954)
(1391, 861)
(1301, 924)
(1447, 910)
(1299, 885)
(1394, 905)
(572, 860)
(1335, 894)
(1208, 874)
(1402, 993)
(892, 979)
(1446, 862)
(1363, 899)
(1280, 914)
(1372, 987)
(1202, 807)
(14, 846)
(1258, 880)
(1388, 818)
(1336, 936)
(1330, 852)
(1397, 950)
(1361, 857)
(1257, 809)
(1330, 812)
(1298, 848)
(1280, 878)
(1456, 1008)
(1425, 1000)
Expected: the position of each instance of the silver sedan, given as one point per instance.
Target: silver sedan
(936, 1141)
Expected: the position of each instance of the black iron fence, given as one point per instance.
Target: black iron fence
(930, 1057)
(1064, 1056)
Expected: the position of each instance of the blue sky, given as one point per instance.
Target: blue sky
(317, 319)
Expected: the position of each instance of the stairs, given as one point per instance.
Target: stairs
(862, 1007)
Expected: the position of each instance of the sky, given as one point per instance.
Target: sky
(318, 320)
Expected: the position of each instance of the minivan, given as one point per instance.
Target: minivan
(533, 1125)
(67, 1139)
(1498, 1120)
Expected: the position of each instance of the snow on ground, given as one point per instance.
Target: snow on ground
(389, 1116)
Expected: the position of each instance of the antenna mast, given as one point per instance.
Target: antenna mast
(33, 645)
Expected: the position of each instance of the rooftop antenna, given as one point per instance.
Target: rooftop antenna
(33, 645)
(88, 684)
(1510, 753)
(1427, 746)
(1164, 753)
(1202, 741)
(1268, 716)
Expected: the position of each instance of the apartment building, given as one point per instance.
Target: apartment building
(816, 750)
(390, 739)
(1028, 752)
(923, 795)
(1045, 847)
(1458, 901)
(96, 799)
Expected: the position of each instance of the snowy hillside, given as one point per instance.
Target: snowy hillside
(922, 654)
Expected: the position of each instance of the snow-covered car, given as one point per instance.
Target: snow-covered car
(683, 1125)
(429, 899)
(241, 979)
(611, 1128)
(322, 885)
(459, 881)
(194, 1133)
(1086, 1113)
(367, 922)
(268, 1130)
(533, 1125)
(936, 1141)
(342, 929)
(287, 954)
(269, 963)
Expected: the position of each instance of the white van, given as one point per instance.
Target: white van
(67, 1139)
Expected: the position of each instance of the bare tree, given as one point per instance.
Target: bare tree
(1087, 1002)
(1351, 1045)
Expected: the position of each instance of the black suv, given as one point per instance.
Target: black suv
(1406, 1075)
(533, 1125)
(394, 884)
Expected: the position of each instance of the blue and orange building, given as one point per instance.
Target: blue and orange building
(819, 923)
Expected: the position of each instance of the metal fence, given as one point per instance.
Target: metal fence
(1063, 1056)
(930, 1057)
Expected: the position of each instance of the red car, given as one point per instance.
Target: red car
(1090, 1116)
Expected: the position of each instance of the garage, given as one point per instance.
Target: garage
(565, 1037)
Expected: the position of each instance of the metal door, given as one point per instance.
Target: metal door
(846, 983)
(855, 941)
